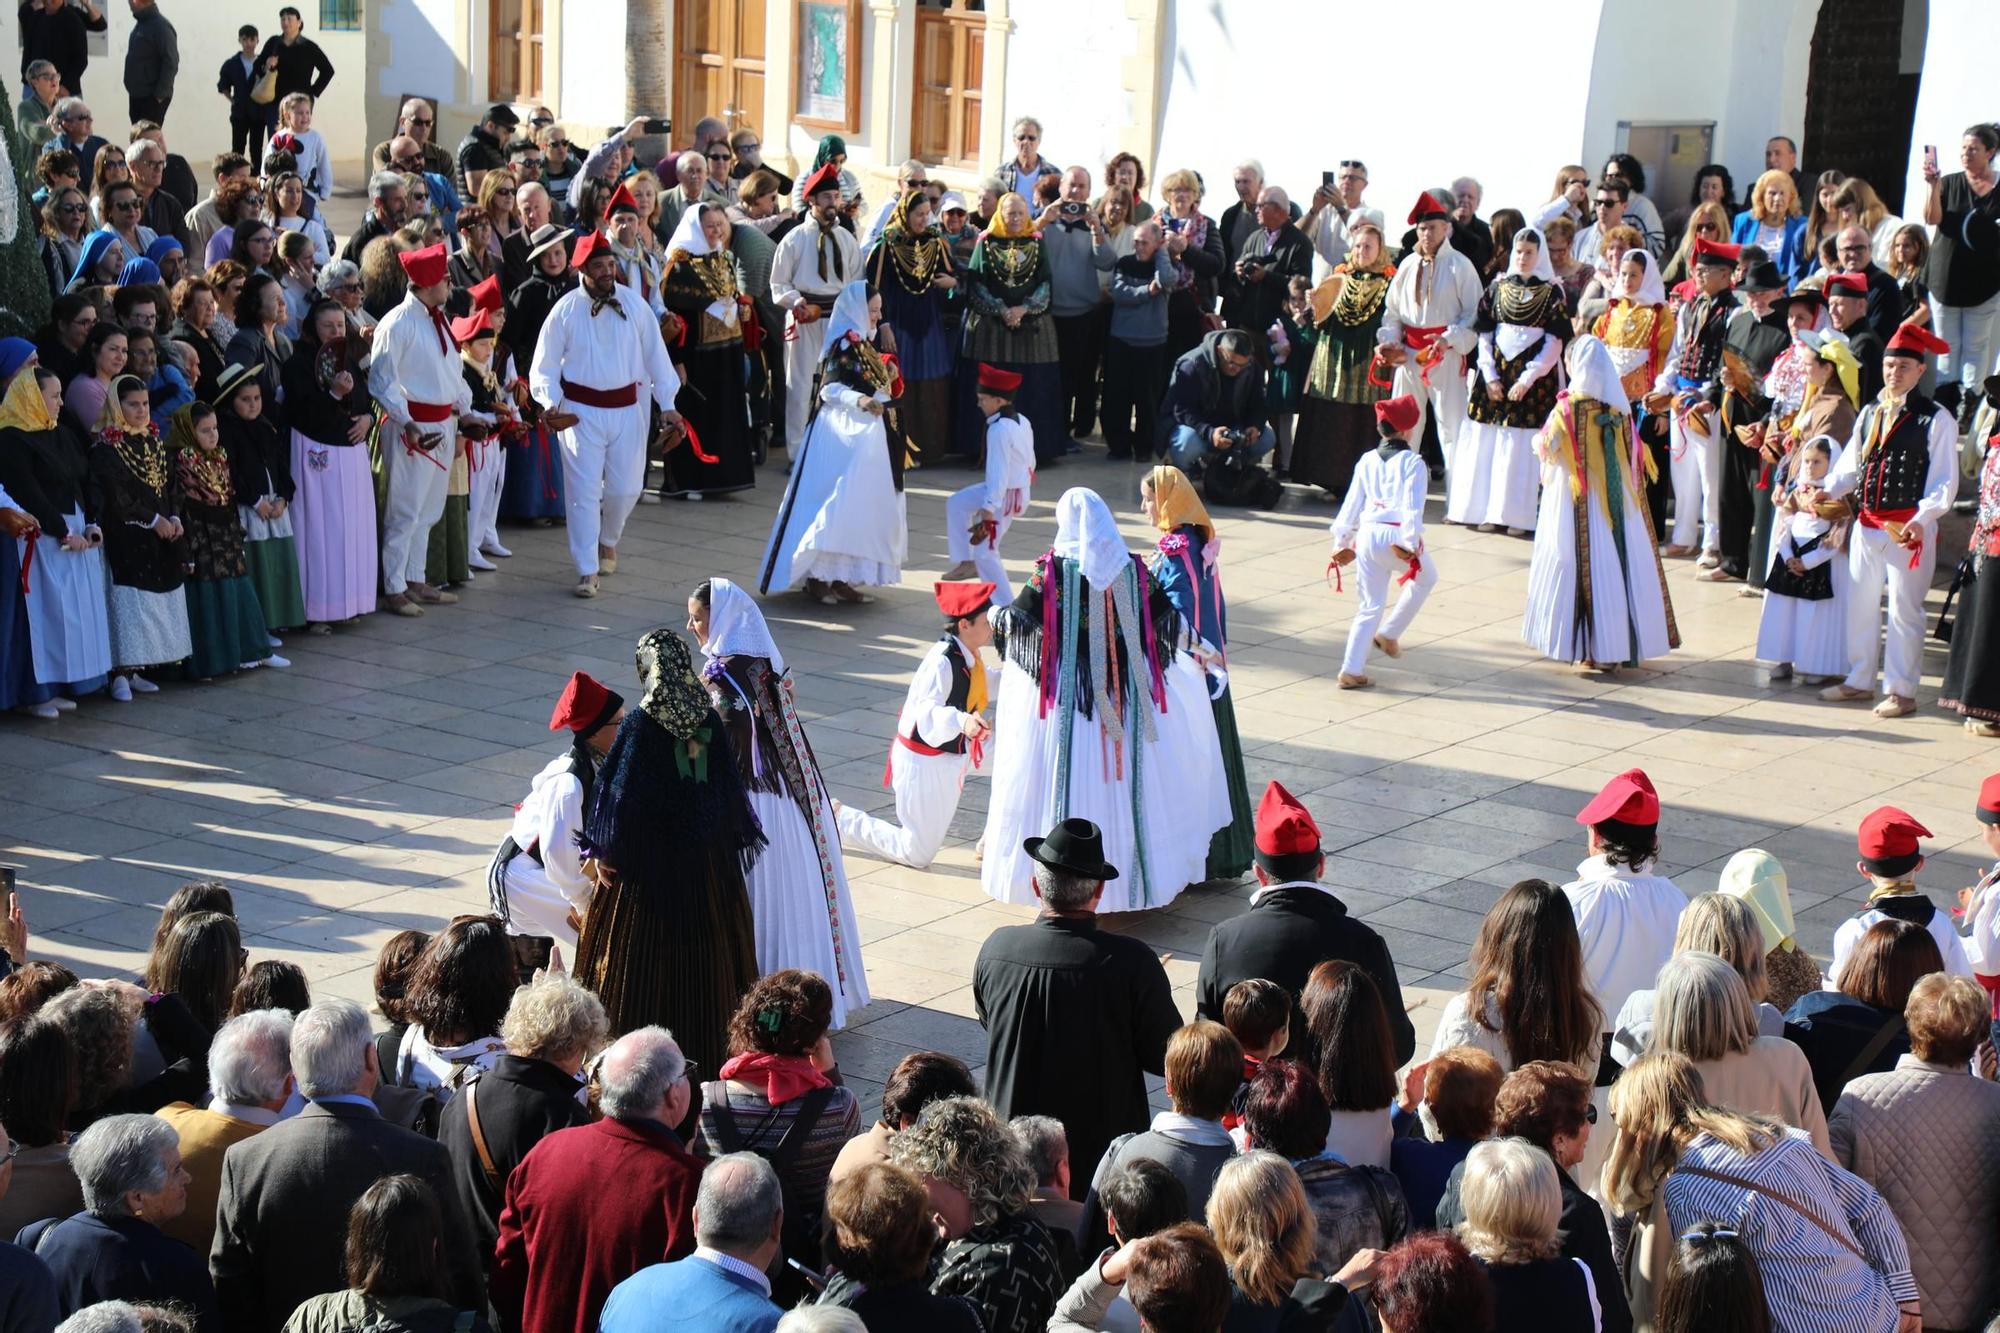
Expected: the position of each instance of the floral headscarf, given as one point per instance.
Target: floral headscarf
(672, 696)
(1175, 503)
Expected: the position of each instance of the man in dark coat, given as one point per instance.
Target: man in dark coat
(279, 1234)
(1217, 386)
(1294, 924)
(1254, 288)
(1075, 1016)
(152, 61)
(1756, 334)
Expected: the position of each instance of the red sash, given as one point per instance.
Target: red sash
(624, 396)
(1882, 518)
(429, 414)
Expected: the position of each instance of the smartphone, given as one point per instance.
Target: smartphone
(1930, 157)
(813, 1280)
(1326, 180)
(659, 125)
(9, 876)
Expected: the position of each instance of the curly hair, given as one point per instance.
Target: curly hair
(1513, 1203)
(554, 1019)
(30, 986)
(99, 1022)
(960, 1141)
(463, 981)
(785, 1013)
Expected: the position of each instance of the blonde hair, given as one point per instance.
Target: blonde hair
(1708, 212)
(554, 1018)
(660, 193)
(1179, 180)
(1765, 182)
(1725, 925)
(1263, 1225)
(1513, 1202)
(1701, 1008)
(1660, 1105)
(1859, 196)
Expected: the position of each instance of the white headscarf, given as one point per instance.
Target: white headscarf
(689, 236)
(850, 315)
(1542, 269)
(1651, 291)
(1593, 374)
(1088, 534)
(736, 627)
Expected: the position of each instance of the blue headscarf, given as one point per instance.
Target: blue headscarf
(138, 271)
(162, 247)
(14, 353)
(94, 246)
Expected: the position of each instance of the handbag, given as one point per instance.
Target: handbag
(265, 90)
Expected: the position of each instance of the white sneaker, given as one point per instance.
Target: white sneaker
(63, 705)
(276, 642)
(48, 712)
(140, 685)
(276, 661)
(121, 689)
(249, 666)
(496, 550)
(480, 563)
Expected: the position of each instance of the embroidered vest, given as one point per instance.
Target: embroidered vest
(961, 691)
(1893, 473)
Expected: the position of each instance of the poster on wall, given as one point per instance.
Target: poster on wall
(827, 37)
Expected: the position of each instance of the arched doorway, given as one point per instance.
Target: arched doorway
(1861, 91)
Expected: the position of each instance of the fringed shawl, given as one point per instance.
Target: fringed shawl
(648, 821)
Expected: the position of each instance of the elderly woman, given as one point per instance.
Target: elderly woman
(1336, 423)
(459, 993)
(1513, 1203)
(1771, 221)
(38, 1083)
(330, 413)
(996, 1254)
(194, 324)
(130, 1170)
(1717, 923)
(1264, 1227)
(397, 1274)
(701, 288)
(1857, 1026)
(64, 219)
(879, 1236)
(1194, 244)
(1430, 1284)
(1832, 1255)
(1008, 326)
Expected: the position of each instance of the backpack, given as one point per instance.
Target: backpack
(1232, 477)
(801, 1225)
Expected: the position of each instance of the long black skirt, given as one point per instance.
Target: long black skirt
(1972, 672)
(1329, 440)
(715, 402)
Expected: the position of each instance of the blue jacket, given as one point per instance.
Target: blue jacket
(120, 1259)
(691, 1294)
(1791, 259)
(237, 83)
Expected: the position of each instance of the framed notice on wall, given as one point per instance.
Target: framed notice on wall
(826, 43)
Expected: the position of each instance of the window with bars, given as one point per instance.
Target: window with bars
(340, 15)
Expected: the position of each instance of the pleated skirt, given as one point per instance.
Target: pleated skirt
(1811, 635)
(67, 613)
(226, 626)
(1329, 440)
(446, 561)
(533, 484)
(1972, 673)
(272, 553)
(334, 527)
(1495, 476)
(1627, 601)
(804, 916)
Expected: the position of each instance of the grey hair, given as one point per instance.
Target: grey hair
(384, 181)
(738, 1201)
(120, 1154)
(816, 1319)
(1251, 164)
(529, 187)
(1028, 120)
(912, 167)
(337, 272)
(37, 68)
(66, 106)
(144, 150)
(1278, 195)
(692, 157)
(251, 1057)
(1237, 341)
(1463, 181)
(1701, 1008)
(993, 183)
(638, 1071)
(1046, 1143)
(1063, 891)
(103, 1317)
(330, 1044)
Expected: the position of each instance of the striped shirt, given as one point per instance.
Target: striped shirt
(1812, 1283)
(763, 1126)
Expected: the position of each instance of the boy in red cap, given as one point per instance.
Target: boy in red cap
(940, 735)
(1899, 474)
(991, 506)
(810, 266)
(1380, 530)
(1687, 383)
(1427, 320)
(1890, 858)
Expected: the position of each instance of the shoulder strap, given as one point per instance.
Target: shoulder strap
(1865, 1057)
(811, 1107)
(1743, 1182)
(715, 1097)
(479, 1138)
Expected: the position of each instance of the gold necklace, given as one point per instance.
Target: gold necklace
(714, 274)
(1013, 262)
(916, 260)
(1361, 297)
(143, 456)
(1520, 302)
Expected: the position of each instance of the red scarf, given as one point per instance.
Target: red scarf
(784, 1076)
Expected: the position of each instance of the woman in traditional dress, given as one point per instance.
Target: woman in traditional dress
(1596, 593)
(1523, 322)
(668, 834)
(533, 488)
(1637, 329)
(912, 270)
(260, 464)
(225, 623)
(131, 498)
(842, 524)
(331, 412)
(1337, 414)
(798, 886)
(1101, 716)
(1007, 324)
(701, 288)
(1186, 570)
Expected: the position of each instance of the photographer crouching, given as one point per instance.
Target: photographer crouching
(1215, 419)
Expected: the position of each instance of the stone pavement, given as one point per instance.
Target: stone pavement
(362, 791)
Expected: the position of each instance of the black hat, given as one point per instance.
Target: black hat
(1810, 295)
(502, 114)
(1074, 846)
(1762, 277)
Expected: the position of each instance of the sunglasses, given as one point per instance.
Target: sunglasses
(750, 148)
(558, 143)
(69, 208)
(1027, 138)
(124, 205)
(1589, 1113)
(1607, 203)
(498, 194)
(342, 288)
(1706, 226)
(423, 122)
(719, 157)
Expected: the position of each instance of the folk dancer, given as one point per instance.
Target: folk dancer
(1694, 443)
(814, 261)
(1890, 858)
(1980, 904)
(1380, 529)
(991, 506)
(1427, 322)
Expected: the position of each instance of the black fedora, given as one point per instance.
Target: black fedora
(1764, 276)
(1074, 846)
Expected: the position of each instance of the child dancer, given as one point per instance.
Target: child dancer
(991, 506)
(1380, 528)
(131, 495)
(479, 436)
(225, 621)
(482, 532)
(260, 468)
(1804, 626)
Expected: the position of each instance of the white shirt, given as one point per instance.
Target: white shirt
(1982, 946)
(1940, 481)
(601, 351)
(539, 899)
(1626, 920)
(1384, 490)
(422, 1065)
(1950, 946)
(729, 1263)
(315, 166)
(795, 266)
(411, 365)
(1010, 465)
(1450, 298)
(927, 709)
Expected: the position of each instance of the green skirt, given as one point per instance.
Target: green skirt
(226, 623)
(445, 564)
(274, 573)
(1230, 850)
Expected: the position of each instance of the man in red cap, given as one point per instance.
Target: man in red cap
(1380, 530)
(814, 261)
(940, 735)
(599, 357)
(1427, 321)
(1626, 915)
(536, 883)
(1899, 474)
(991, 506)
(638, 266)
(420, 388)
(1847, 311)
(1294, 924)
(1890, 858)
(1687, 384)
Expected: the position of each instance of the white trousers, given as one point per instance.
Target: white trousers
(1446, 397)
(985, 557)
(1872, 561)
(415, 504)
(482, 526)
(927, 788)
(604, 469)
(1374, 565)
(803, 344)
(1696, 466)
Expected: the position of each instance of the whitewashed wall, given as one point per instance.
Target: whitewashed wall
(1063, 65)
(1957, 88)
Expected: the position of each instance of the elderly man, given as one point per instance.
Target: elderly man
(691, 188)
(1254, 287)
(73, 123)
(159, 212)
(721, 1287)
(176, 176)
(532, 199)
(418, 120)
(388, 209)
(1427, 320)
(56, 31)
(565, 1239)
(748, 148)
(1239, 220)
(1078, 250)
(31, 117)
(1333, 208)
(1075, 1016)
(1886, 306)
(707, 131)
(250, 1077)
(274, 1246)
(1847, 311)
(1135, 347)
(480, 150)
(1469, 235)
(814, 261)
(912, 175)
(1215, 401)
(202, 221)
(559, 165)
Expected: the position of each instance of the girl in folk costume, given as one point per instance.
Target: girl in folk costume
(1637, 328)
(1972, 674)
(260, 470)
(497, 388)
(842, 524)
(1785, 386)
(479, 458)
(331, 414)
(532, 483)
(225, 621)
(1827, 376)
(1102, 717)
(1007, 324)
(1337, 413)
(1804, 625)
(668, 835)
(798, 887)
(1522, 323)
(131, 496)
(1380, 529)
(1186, 570)
(977, 517)
(912, 269)
(702, 290)
(1597, 594)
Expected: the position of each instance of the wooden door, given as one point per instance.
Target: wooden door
(514, 50)
(718, 63)
(950, 64)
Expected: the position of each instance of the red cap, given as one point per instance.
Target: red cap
(485, 294)
(1989, 800)
(1284, 827)
(996, 380)
(1628, 798)
(471, 326)
(1399, 414)
(1848, 284)
(962, 601)
(826, 178)
(1429, 205)
(587, 247)
(1915, 341)
(1719, 252)
(585, 705)
(426, 266)
(620, 198)
(1888, 833)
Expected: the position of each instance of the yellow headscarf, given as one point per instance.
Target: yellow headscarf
(1175, 503)
(1756, 877)
(997, 226)
(23, 408)
(1845, 366)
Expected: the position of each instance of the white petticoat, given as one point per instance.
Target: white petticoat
(788, 903)
(1623, 599)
